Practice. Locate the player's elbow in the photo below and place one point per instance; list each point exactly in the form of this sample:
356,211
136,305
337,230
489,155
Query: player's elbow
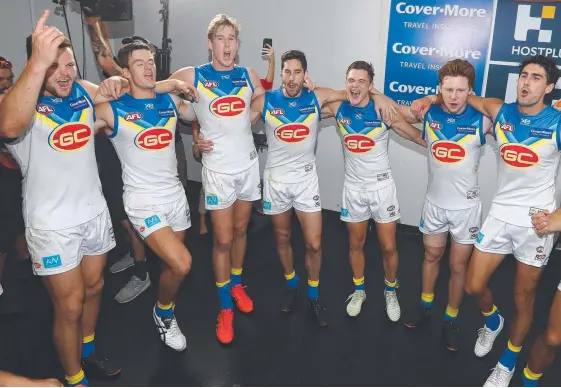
11,128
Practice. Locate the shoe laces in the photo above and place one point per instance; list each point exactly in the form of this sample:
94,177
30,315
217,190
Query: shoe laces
134,283
499,375
171,326
391,299
484,335
223,322
356,297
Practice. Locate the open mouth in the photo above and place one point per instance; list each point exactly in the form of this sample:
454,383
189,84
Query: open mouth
227,55
63,84
355,93
524,93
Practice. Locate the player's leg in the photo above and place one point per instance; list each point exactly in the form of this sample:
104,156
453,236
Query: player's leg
203,228
545,347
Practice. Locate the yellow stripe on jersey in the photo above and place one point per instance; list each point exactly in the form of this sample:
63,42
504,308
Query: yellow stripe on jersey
274,120
47,121
307,120
86,115
242,90
375,131
539,143
209,93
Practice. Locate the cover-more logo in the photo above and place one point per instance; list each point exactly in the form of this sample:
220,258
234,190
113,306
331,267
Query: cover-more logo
526,23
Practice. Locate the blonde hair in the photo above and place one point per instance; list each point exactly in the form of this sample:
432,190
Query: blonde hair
222,20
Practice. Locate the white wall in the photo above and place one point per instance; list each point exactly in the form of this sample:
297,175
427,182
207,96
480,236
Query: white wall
331,33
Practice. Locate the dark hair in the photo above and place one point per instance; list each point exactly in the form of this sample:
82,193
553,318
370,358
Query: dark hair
362,65
553,73
5,64
458,68
294,54
126,51
29,45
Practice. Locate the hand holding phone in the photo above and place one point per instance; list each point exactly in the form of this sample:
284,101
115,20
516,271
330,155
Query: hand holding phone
267,48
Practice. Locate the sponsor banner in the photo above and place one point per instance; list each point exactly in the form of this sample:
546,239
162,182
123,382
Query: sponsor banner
522,29
425,34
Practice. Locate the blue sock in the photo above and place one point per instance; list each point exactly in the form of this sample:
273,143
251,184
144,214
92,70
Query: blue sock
359,284
530,378
78,379
164,310
313,289
88,346
235,276
390,286
224,295
292,280
510,355
492,319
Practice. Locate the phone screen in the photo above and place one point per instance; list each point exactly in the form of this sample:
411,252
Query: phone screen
267,41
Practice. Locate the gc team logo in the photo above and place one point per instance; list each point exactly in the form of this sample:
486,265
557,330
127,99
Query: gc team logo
227,106
448,152
292,133
153,139
70,137
518,156
359,143
526,23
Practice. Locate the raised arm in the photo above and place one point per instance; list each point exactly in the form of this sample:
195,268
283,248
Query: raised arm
489,107
100,44
186,74
18,107
104,118
256,81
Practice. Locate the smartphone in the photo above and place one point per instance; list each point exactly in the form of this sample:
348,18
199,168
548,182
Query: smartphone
267,41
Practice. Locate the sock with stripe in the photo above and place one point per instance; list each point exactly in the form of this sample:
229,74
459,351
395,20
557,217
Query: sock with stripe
451,314
88,346
224,295
530,378
292,280
359,284
492,320
236,276
390,286
510,355
77,379
164,310
313,289
426,300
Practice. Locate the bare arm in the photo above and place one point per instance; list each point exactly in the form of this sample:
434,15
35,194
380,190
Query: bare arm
490,107
256,81
257,105
196,131
407,131
18,107
405,111
110,89
104,118
330,110
101,46
186,74
8,379
185,109
487,125
270,53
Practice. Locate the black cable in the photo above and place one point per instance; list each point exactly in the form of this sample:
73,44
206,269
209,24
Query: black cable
70,38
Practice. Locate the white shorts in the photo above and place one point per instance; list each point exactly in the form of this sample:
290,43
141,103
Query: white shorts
381,205
154,217
462,224
222,190
57,251
303,196
497,236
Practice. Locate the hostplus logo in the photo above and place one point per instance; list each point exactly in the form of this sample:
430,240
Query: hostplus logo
542,22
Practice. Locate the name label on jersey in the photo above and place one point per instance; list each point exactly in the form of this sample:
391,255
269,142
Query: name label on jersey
374,124
166,112
541,133
292,132
227,106
307,109
518,156
359,143
448,152
44,109
70,137
153,139
78,104
240,82
466,129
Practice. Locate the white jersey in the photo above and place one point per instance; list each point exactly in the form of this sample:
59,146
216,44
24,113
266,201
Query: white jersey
454,142
143,137
56,154
291,126
529,156
223,111
365,145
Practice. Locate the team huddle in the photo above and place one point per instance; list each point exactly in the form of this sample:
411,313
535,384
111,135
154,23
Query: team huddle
49,118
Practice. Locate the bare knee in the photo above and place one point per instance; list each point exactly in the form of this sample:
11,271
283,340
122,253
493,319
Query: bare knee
356,244
94,286
240,231
388,249
182,265
313,248
474,287
69,309
282,237
524,299
223,243
458,269
553,338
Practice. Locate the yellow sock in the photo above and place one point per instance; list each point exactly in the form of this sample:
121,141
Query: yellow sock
451,313
426,299
165,306
89,338
531,375
513,348
73,380
290,276
490,312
